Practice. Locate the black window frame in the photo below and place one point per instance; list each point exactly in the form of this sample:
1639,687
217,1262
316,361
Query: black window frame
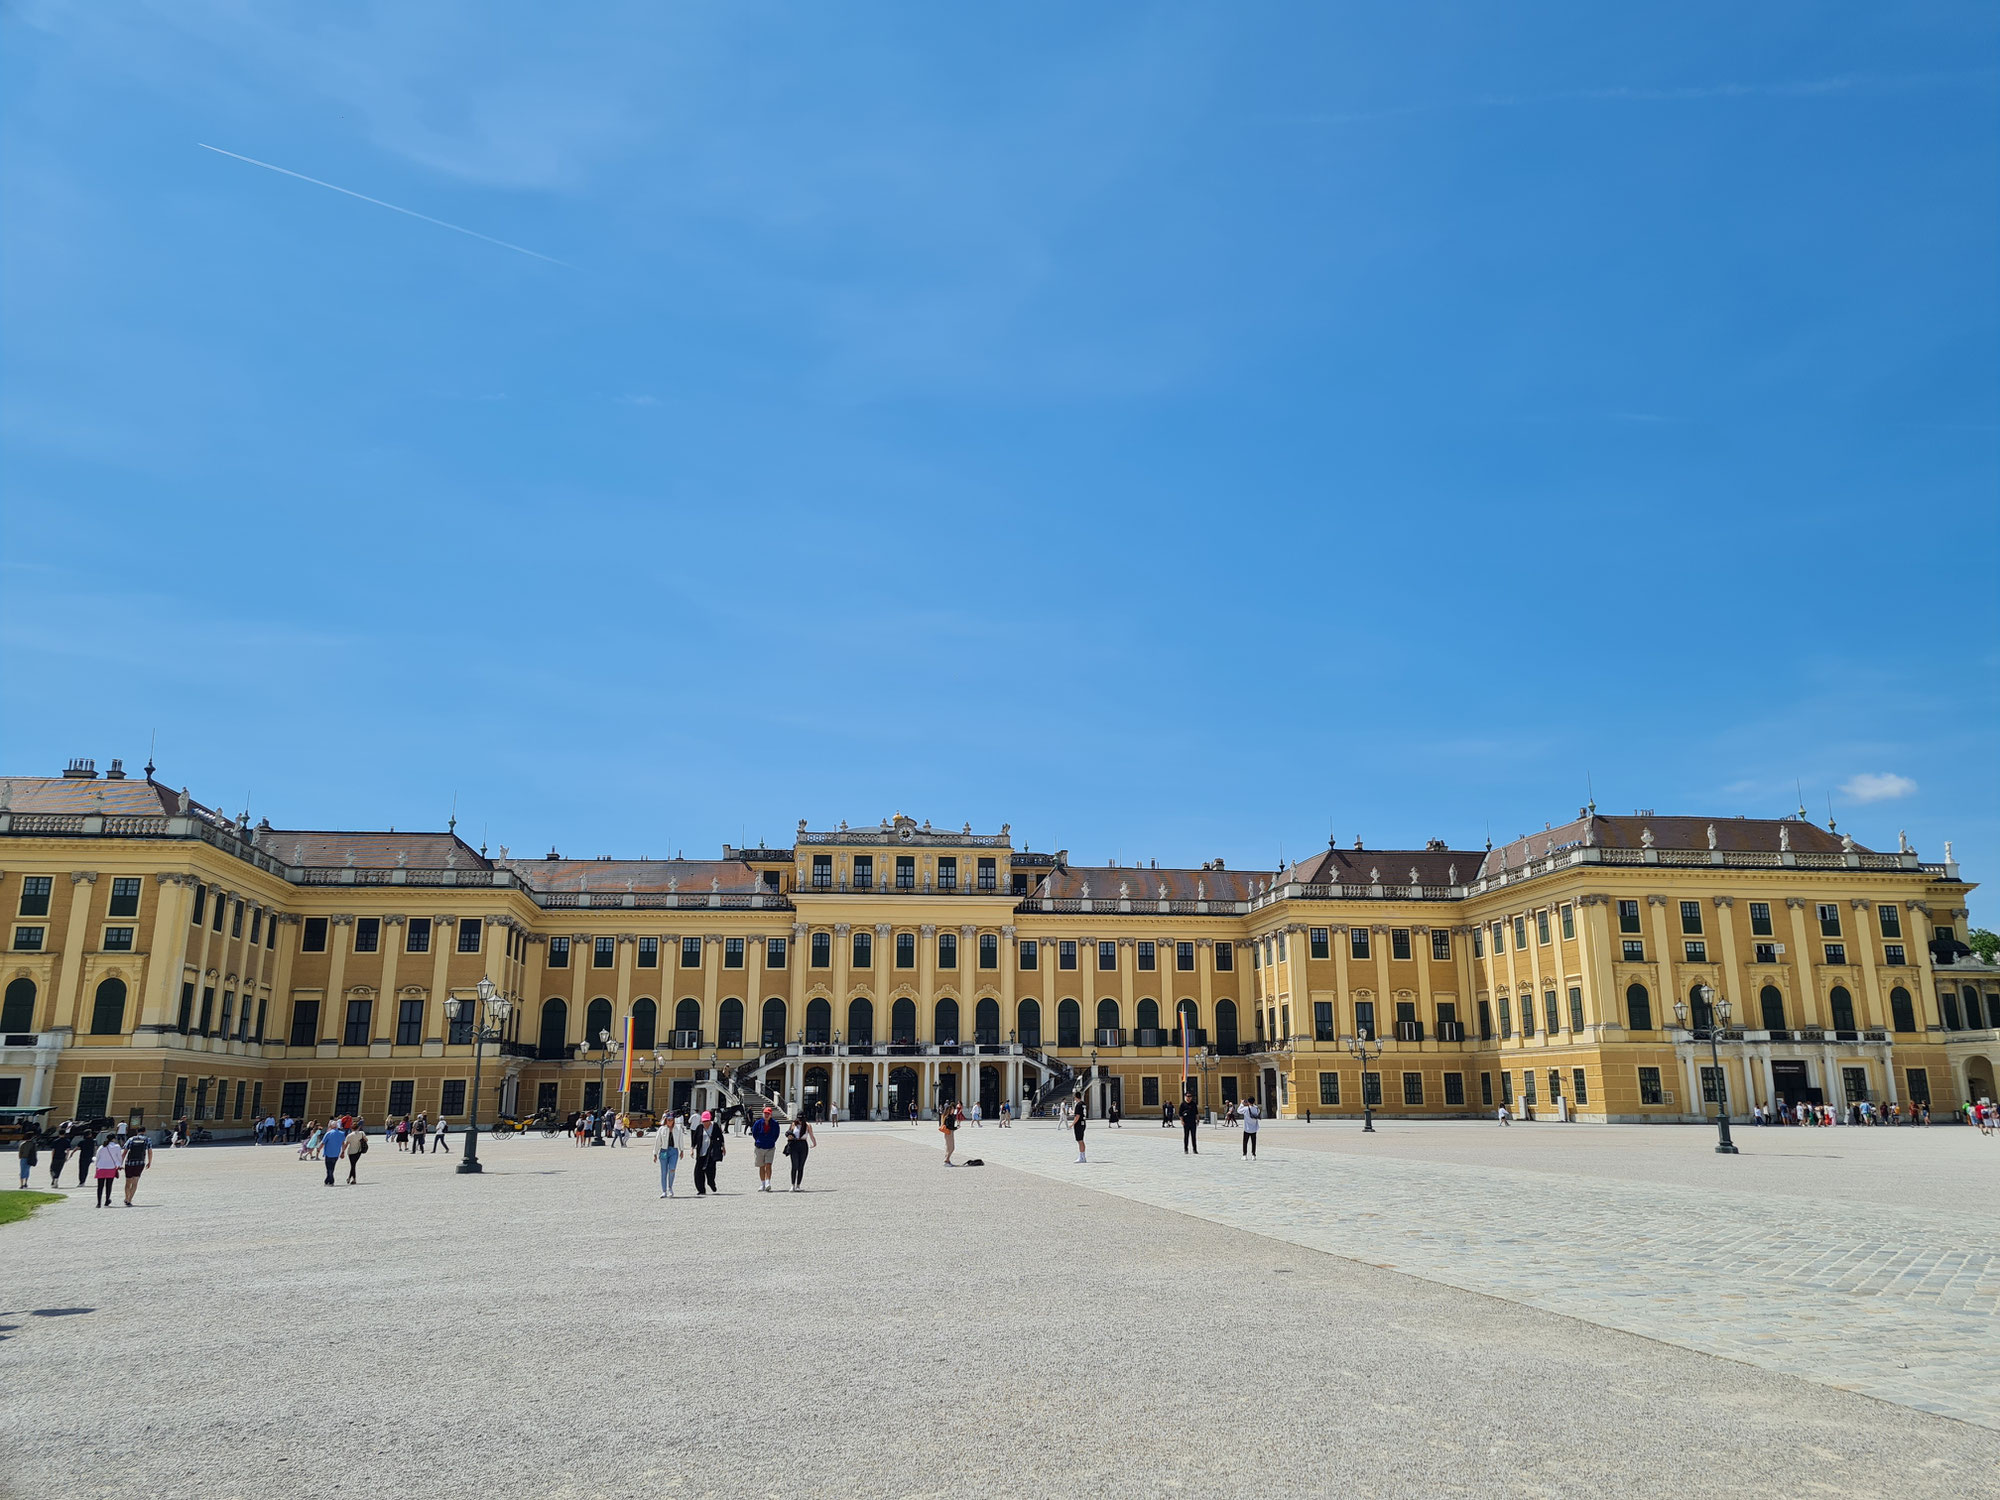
124,898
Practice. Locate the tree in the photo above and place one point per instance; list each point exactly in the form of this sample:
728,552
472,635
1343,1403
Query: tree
1984,943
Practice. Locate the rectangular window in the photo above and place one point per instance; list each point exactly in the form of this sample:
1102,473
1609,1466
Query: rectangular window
1148,955
1399,942
1225,957
29,939
1528,1087
292,1099
649,953
312,935
410,1023
305,1023
236,920
1485,1021
1107,957
864,872
1696,950
1031,953
1149,1093
357,1023
1690,916
347,1097
1711,1084
367,934
458,1028
118,939
604,953
775,953
906,950
1836,953
732,953
93,1097
1364,1018
221,905
1920,1085
1506,1016
1184,956
1764,953
1499,938
906,872
1357,942
1552,1020
989,875
124,897
558,953
989,950
35,891
947,876
1329,1089
1891,918
1575,1008
1371,1089
417,936
1633,951
690,953
1578,1092
822,876
200,909
256,928
947,950
861,951
1892,954
1281,947
1760,919
207,1009
1486,1089
469,929
451,1098
1454,1089
1628,917
1542,927
820,953
1527,1015
1440,945
1479,942
1829,919
1520,933
1323,1021
1020,883
1569,921
1649,1087
402,1096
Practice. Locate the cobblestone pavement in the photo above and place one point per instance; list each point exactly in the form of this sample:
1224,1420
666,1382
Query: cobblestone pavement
1891,1300
555,1329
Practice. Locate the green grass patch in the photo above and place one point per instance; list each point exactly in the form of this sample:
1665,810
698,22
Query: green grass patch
18,1205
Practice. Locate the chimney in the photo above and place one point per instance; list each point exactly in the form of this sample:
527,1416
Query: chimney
117,771
81,769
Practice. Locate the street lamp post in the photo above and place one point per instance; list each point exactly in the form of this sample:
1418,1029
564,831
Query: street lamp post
1718,1017
654,1068
606,1050
1358,1045
486,1028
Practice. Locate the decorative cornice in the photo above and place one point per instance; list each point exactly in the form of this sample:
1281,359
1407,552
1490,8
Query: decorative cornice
83,877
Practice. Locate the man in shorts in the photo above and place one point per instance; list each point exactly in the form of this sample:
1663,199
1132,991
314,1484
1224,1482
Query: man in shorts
138,1156
764,1132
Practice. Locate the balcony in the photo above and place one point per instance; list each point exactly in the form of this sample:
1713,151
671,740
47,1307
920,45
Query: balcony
1409,1031
1110,1036
1451,1031
684,1041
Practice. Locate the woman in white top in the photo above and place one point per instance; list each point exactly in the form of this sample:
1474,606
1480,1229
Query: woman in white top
668,1143
1252,1117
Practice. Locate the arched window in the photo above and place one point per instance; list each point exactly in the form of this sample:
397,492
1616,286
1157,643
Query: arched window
1069,1024
1902,1012
107,1013
861,1022
1771,1001
1843,1008
1148,1018
1107,1014
986,1022
903,1021
1225,1023
645,1025
819,1019
729,1023
1638,1008
596,1023
1029,1019
555,1028
687,1017
946,1031
1187,1015
1701,1015
17,1011
774,1022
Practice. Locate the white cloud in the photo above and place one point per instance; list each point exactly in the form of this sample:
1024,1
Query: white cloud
1877,786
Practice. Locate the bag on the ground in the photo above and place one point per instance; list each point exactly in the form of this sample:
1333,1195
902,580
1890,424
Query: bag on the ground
976,1162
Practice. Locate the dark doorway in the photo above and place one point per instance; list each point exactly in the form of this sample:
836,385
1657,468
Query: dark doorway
947,1086
989,1091
1792,1086
858,1103
683,1095
1267,1093
902,1092
819,1093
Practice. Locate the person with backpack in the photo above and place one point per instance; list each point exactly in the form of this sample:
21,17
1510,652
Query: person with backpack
356,1147
138,1156
332,1145
798,1141
30,1152
438,1139
1079,1118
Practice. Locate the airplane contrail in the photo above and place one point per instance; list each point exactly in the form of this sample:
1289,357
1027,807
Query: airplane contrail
455,228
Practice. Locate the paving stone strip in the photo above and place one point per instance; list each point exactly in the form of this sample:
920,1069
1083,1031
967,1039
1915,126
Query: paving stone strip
1887,1301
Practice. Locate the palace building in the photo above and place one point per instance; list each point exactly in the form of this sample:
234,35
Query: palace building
163,959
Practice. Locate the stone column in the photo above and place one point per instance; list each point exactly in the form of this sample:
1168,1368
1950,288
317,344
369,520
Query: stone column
394,930
1735,984
927,985
287,945
1010,958
1868,946
711,991
333,1012
1802,964
1663,963
795,1001
168,946
77,944
881,978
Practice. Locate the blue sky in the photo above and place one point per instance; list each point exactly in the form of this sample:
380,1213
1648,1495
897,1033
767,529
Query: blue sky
1177,431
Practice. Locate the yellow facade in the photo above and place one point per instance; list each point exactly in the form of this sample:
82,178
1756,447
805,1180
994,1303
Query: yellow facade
163,959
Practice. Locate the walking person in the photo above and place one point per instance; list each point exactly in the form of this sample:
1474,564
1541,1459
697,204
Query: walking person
86,1152
332,1144
1503,1116
948,1128
138,1156
58,1155
439,1141
108,1163
764,1136
798,1141
1190,1117
29,1151
709,1148
420,1130
1252,1118
1079,1118
356,1146
669,1141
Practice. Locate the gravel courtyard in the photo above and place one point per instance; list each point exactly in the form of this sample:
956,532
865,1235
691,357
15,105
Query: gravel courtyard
554,1329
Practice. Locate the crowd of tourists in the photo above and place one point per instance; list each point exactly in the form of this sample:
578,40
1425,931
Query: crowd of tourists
1862,1112
117,1152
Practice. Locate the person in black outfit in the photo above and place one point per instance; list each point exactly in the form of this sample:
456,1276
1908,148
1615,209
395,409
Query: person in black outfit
708,1149
1188,1117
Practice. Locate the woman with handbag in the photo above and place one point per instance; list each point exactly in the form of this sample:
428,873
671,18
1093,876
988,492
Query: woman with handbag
798,1141
948,1126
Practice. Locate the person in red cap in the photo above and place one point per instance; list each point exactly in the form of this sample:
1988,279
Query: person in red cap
709,1149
